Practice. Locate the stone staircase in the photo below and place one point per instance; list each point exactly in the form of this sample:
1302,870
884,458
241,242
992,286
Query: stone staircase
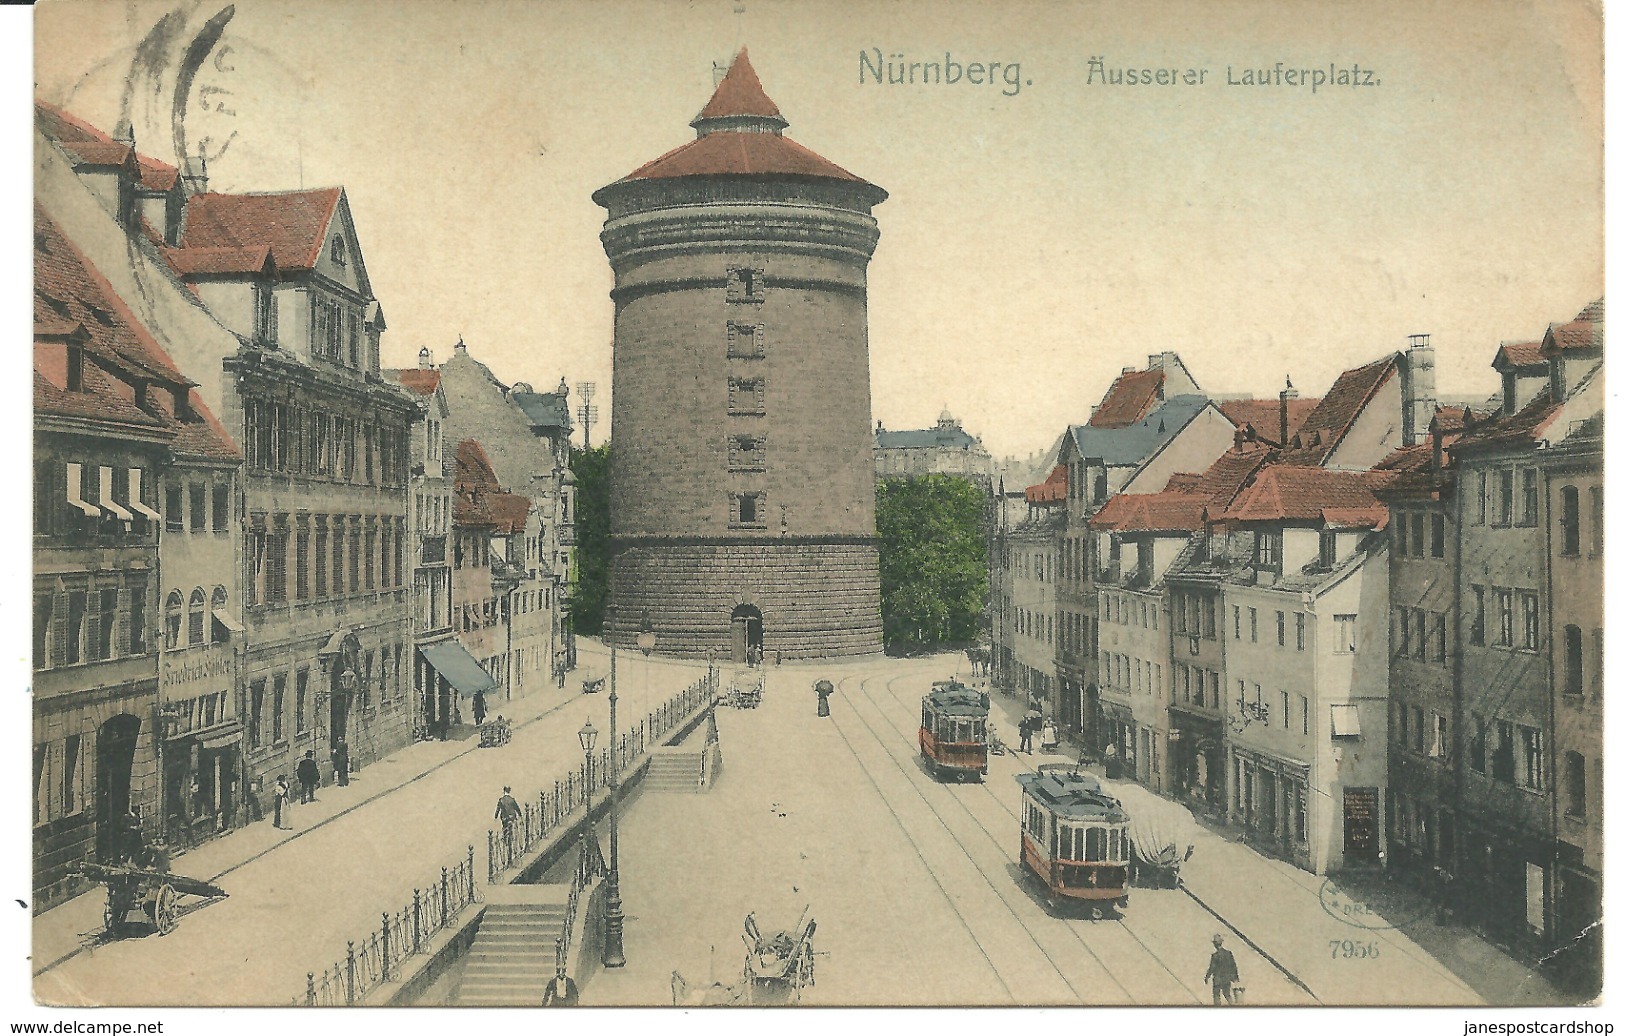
678,770
513,956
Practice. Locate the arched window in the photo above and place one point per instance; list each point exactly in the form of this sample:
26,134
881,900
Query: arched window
1570,521
338,250
172,620
194,617
217,603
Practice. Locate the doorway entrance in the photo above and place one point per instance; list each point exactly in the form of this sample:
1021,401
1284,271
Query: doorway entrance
746,629
115,758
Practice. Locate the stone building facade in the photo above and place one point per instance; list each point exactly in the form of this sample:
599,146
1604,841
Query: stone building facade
743,490
946,449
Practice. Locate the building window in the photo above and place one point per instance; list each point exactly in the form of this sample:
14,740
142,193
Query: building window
1475,633
1569,520
1419,533
194,618
1404,618
1531,772
1402,713
1440,746
1503,610
1503,503
1267,548
746,284
1303,709
746,396
749,509
1345,644
1596,520
1501,762
747,453
279,691
1235,612
1482,501
1438,637
265,316
1574,785
1252,623
301,684
256,711
1436,538
746,341
321,556
1280,629
336,250
1530,606
1401,524
1419,622
1302,627
173,605
218,630
1478,746
44,605
1531,497
174,509
107,623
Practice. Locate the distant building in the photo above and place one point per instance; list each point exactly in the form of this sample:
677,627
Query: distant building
946,449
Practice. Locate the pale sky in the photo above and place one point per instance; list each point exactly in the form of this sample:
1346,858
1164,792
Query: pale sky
1033,245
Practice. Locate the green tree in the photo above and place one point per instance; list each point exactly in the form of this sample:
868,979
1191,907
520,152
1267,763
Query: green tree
591,592
933,559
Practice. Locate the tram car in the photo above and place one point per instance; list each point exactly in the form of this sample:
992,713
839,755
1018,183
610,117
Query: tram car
1075,839
954,730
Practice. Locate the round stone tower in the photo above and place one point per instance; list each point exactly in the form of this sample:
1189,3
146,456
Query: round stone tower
742,495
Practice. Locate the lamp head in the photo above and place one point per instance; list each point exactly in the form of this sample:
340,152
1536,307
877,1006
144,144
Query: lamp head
588,736
646,636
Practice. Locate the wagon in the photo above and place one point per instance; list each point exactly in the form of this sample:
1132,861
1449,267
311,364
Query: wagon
783,959
155,891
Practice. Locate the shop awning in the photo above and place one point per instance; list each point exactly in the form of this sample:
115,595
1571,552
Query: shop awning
1345,721
227,620
221,736
452,661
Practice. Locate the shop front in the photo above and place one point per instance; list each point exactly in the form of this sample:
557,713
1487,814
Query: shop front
200,744
1271,804
1196,760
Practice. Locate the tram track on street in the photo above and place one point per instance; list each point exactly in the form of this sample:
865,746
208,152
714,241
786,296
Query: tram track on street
994,837
999,884
1015,818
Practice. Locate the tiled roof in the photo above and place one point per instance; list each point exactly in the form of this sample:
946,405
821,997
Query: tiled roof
1265,414
292,224
1518,356
740,93
1592,313
1051,489
1325,427
1129,399
90,146
478,499
1526,426
741,154
1151,512
1577,334
417,379
1450,418
71,297
1231,471
916,438
1133,443
1183,482
1295,493
190,262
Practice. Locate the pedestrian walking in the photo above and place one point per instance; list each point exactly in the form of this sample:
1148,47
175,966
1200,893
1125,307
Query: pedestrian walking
1221,971
508,813
281,807
341,763
1051,738
1027,734
823,689
309,775
479,708
561,992
132,845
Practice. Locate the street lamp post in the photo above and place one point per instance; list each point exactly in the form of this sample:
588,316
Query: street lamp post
588,736
614,918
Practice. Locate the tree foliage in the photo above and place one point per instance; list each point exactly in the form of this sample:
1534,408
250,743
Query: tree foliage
933,559
591,593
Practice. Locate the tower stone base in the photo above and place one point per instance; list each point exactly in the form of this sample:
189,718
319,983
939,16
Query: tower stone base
818,597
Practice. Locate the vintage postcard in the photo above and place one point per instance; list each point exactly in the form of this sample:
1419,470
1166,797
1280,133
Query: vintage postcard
751,503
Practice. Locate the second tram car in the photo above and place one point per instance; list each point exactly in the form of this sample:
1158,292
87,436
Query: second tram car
1074,838
954,730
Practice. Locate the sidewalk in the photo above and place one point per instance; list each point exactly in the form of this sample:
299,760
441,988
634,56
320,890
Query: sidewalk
297,896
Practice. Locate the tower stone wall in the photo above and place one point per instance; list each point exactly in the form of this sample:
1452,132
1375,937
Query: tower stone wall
743,468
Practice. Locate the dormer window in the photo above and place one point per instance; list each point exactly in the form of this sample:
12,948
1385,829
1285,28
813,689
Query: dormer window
337,251
1328,548
1267,548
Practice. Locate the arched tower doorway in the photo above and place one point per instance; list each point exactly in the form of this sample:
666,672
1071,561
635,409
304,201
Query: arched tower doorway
115,758
343,681
746,629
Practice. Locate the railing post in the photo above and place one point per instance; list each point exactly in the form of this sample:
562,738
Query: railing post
470,883
490,857
417,922
444,900
349,974
386,947
310,989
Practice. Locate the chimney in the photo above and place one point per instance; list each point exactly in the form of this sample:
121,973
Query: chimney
460,346
425,359
1288,393
1417,382
195,175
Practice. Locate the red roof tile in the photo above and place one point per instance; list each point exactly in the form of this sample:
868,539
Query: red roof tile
1577,334
1183,482
1295,493
1592,313
1450,418
417,379
191,262
91,146
1325,427
1129,399
1050,490
478,498
1518,356
1526,426
740,93
741,154
292,224
1265,415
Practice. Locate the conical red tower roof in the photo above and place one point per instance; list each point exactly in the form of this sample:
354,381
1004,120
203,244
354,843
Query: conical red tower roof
740,93
740,131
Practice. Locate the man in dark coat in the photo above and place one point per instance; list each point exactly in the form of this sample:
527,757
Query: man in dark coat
1221,971
341,763
479,708
309,775
508,812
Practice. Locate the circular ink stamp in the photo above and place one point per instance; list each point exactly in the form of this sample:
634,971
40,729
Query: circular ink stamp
1371,906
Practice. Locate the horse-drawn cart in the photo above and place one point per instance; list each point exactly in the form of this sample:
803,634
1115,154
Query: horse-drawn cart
156,891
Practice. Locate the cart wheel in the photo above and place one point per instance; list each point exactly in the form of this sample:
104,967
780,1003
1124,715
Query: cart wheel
163,911
1096,913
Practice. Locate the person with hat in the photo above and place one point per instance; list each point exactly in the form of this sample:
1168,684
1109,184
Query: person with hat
309,775
508,812
1221,971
